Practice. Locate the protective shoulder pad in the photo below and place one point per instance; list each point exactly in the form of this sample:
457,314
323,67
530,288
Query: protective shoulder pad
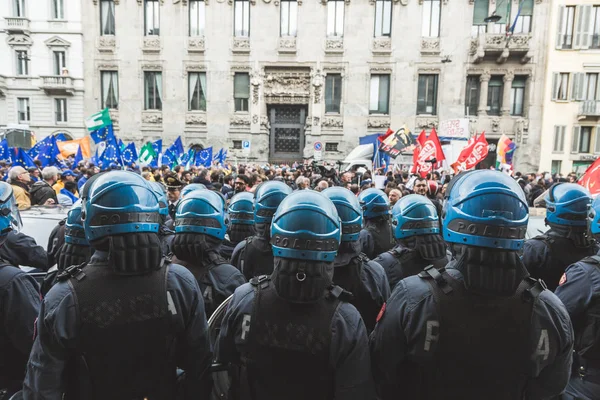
430,272
592,260
337,292
260,281
535,288
74,271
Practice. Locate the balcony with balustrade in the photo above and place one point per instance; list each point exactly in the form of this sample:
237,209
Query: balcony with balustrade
589,109
501,47
17,25
57,84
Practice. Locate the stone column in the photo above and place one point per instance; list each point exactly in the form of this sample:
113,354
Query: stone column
508,80
484,79
527,101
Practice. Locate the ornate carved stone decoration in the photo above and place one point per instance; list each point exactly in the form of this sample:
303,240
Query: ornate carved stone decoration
334,45
56,41
255,119
152,118
330,122
109,66
286,86
114,116
195,119
196,44
241,45
256,79
426,123
509,76
19,40
485,76
382,45
152,67
430,45
240,68
106,44
380,69
316,121
473,47
287,45
318,79
238,120
495,124
375,122
151,44
264,122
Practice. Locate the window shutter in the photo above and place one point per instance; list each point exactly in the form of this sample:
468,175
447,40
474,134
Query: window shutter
575,139
559,36
585,14
563,131
556,139
480,12
597,141
577,87
555,82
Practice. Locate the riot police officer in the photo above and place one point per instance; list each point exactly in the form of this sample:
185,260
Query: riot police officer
119,327
254,255
481,328
416,229
241,222
291,335
199,230
353,271
568,240
76,249
579,290
19,305
376,236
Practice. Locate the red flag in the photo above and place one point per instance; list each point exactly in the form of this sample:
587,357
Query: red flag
381,138
591,179
478,153
431,149
422,138
420,141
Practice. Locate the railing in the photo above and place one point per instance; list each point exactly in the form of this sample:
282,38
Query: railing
590,108
17,23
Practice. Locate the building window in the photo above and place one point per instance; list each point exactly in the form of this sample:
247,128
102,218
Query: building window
566,24
152,18
431,18
333,93
19,8
480,12
383,18
22,62
517,95
60,62
331,146
379,94
237,144
472,95
560,86
503,9
197,91
197,17
153,90
495,90
522,24
335,18
107,17
585,137
289,17
556,166
23,109
597,141
241,91
559,139
591,86
61,110
110,89
58,9
427,94
596,28
242,18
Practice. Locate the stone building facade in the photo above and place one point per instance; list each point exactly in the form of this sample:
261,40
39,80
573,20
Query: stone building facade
41,66
571,140
285,74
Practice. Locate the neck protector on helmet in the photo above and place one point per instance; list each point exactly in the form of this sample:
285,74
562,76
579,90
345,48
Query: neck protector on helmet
346,252
132,253
73,254
263,230
430,247
194,248
489,271
239,232
579,235
300,281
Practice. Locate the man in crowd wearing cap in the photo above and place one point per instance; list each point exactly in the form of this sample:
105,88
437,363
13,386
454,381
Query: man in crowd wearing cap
65,176
19,179
174,185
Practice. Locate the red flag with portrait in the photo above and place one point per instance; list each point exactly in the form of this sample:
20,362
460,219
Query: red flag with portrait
591,179
431,148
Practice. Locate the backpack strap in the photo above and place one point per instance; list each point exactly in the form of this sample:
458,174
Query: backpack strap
262,281
430,272
337,292
74,271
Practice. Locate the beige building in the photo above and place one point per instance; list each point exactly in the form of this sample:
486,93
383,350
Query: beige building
571,140
286,74
41,66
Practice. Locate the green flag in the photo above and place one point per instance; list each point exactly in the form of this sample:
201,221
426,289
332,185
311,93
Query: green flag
147,154
98,120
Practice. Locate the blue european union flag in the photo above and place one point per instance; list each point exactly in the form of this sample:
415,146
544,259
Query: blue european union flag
4,152
221,156
102,134
78,157
111,153
129,154
177,147
169,158
49,153
204,157
157,147
21,158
